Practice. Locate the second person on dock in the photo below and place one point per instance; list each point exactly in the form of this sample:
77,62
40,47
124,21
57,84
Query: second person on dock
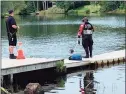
86,29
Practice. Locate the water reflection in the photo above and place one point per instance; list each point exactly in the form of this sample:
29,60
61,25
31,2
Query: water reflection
89,83
107,80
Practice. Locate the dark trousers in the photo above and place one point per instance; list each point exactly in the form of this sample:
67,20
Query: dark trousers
87,43
12,39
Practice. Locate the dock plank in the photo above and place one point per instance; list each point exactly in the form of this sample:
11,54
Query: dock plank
7,63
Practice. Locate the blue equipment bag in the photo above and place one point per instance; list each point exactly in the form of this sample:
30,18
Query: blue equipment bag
75,57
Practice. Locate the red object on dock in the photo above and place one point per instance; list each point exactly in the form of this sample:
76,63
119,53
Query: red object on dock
82,91
20,52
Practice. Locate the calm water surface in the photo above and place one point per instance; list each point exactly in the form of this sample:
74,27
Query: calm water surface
52,37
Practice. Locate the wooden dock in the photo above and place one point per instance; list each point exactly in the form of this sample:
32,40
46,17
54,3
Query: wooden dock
10,67
106,58
23,65
30,64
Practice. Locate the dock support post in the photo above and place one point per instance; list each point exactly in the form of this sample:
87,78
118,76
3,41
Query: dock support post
123,60
96,65
11,82
113,62
107,63
2,81
118,61
102,64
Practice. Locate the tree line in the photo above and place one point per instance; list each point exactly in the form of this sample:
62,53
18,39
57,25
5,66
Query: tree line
27,7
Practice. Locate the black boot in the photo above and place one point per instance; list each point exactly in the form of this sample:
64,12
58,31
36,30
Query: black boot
87,53
90,50
12,56
86,56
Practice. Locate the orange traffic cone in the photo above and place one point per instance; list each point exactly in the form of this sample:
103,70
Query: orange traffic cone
20,52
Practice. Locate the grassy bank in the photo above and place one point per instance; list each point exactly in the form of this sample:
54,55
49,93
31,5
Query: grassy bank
53,10
85,10
93,9
118,11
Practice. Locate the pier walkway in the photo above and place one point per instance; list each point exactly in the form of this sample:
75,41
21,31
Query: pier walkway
30,64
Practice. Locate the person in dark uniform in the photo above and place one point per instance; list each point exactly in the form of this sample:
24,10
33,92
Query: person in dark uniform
11,33
86,29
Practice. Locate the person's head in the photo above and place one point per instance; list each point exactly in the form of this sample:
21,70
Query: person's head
11,12
85,19
71,51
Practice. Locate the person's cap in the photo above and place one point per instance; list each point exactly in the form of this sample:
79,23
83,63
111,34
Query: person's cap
10,11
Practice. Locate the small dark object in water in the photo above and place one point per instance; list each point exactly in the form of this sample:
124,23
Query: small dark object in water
102,64
96,64
107,63
33,88
118,61
113,62
124,60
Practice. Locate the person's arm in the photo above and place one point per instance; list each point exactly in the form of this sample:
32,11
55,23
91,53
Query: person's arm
13,23
15,26
80,30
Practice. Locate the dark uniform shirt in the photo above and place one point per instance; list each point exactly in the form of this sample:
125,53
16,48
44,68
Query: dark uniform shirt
11,32
11,21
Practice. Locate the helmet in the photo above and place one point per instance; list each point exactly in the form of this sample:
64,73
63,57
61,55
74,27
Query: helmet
85,19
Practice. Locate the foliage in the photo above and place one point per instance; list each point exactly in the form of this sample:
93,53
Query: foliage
27,7
5,6
67,5
30,8
109,5
60,66
60,82
17,6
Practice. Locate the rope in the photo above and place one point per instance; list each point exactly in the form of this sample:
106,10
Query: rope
74,47
4,90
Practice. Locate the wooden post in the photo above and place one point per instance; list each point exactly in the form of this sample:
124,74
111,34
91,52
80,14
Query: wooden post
118,61
2,81
123,60
102,64
107,63
113,62
96,65
11,82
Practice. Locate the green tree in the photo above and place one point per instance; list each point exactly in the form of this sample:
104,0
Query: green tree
67,5
30,7
5,6
109,5
17,6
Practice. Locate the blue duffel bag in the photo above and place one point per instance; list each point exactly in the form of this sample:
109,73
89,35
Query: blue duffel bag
75,57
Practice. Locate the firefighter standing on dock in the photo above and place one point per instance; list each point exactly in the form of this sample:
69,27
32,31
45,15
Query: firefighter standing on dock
86,29
11,33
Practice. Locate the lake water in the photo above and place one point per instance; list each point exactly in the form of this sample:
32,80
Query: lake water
52,36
